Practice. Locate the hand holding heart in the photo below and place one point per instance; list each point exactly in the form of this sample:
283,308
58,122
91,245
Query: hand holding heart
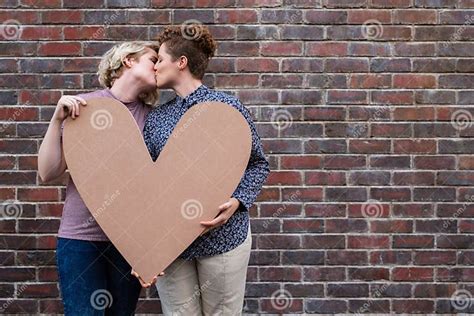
143,283
226,210
68,105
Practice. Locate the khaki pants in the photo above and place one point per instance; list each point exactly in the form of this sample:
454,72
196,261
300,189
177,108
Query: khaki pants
212,285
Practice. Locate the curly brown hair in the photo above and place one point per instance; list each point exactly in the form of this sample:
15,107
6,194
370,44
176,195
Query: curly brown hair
193,41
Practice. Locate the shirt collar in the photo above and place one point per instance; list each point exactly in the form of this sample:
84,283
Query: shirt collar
130,105
190,97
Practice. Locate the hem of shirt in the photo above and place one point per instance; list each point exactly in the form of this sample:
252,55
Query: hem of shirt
217,253
87,238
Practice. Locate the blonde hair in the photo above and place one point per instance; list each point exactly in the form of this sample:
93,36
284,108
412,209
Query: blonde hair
111,65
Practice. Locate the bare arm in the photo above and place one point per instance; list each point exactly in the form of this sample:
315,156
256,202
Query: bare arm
51,162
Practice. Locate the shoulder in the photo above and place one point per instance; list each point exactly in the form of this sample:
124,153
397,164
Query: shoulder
216,95
93,94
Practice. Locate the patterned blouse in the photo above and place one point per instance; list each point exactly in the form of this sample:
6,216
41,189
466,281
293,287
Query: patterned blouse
158,128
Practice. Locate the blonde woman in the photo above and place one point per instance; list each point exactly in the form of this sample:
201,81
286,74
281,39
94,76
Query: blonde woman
94,278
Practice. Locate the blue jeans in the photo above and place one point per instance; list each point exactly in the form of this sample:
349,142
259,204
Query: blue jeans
95,279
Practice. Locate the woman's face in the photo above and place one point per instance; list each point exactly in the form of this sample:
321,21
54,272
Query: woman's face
166,70
142,68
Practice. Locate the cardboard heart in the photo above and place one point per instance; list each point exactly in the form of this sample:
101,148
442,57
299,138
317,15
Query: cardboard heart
151,210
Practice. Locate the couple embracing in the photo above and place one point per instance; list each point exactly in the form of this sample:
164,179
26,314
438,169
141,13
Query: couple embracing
215,264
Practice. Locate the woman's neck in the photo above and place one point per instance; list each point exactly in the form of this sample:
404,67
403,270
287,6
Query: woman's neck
186,87
125,91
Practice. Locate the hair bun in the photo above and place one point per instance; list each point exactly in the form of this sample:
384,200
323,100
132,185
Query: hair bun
200,34
192,39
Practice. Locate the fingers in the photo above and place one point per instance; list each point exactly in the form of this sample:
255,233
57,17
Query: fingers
214,222
68,105
143,283
225,206
81,100
78,101
76,107
72,104
219,220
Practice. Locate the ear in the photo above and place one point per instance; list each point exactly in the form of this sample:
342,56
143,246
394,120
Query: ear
182,63
128,61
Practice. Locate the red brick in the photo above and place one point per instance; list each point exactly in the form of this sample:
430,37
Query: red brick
237,16
22,16
281,49
423,146
256,65
59,49
391,226
302,225
412,274
413,306
435,257
369,274
41,3
324,178
19,114
269,306
393,97
368,242
414,81
284,178
84,33
413,241
300,162
422,16
361,16
369,81
41,33
347,97
237,49
368,209
236,81
43,194
326,16
391,3
326,49
61,17
390,257
326,210
303,194
347,257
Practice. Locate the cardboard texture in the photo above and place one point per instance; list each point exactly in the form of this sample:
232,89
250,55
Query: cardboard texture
151,210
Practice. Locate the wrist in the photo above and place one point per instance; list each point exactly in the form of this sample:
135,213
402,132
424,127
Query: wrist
237,201
56,123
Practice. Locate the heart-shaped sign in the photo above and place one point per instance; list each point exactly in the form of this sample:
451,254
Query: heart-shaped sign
151,210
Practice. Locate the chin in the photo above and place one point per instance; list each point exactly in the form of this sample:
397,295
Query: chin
162,85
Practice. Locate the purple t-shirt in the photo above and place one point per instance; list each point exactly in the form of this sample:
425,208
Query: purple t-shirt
77,222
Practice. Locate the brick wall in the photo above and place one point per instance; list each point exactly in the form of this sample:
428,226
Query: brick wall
365,111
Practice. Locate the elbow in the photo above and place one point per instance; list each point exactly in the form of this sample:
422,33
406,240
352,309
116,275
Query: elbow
44,172
43,177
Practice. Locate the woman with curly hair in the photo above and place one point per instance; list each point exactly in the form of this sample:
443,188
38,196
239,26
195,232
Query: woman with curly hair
93,276
209,276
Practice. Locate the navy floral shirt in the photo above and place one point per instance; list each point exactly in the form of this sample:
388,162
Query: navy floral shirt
158,128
